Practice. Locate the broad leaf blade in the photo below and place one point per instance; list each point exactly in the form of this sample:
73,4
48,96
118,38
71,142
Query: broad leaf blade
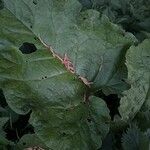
40,83
94,46
82,127
138,64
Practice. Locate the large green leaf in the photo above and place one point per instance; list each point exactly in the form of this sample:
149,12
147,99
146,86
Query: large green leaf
80,128
95,47
61,115
138,63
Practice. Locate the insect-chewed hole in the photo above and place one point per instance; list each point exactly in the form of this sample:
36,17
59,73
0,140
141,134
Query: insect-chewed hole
64,134
35,2
35,38
123,80
27,48
89,120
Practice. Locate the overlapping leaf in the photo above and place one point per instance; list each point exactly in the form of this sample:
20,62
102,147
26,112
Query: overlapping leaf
30,141
138,63
95,47
3,140
39,82
62,115
133,15
3,120
134,139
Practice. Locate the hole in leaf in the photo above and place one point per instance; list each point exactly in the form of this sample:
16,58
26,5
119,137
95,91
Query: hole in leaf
84,103
27,48
35,38
64,134
123,80
31,26
89,120
35,2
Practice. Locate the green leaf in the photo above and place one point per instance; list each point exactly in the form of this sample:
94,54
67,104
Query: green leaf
133,15
95,47
30,140
148,133
3,140
138,64
3,121
8,112
143,116
81,128
62,117
2,99
117,84
86,3
108,142
1,4
6,115
146,105
134,139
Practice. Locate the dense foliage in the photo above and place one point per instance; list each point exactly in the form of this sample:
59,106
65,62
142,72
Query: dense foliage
75,74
